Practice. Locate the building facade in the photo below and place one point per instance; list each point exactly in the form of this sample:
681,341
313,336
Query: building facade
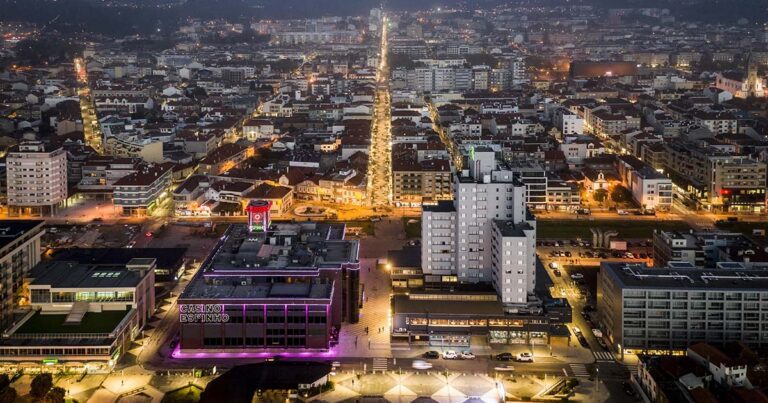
663,310
37,179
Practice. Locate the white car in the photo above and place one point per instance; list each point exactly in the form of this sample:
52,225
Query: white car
553,265
525,357
576,330
577,276
467,355
450,355
419,364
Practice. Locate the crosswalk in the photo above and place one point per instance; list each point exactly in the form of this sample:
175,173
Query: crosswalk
579,370
379,365
604,356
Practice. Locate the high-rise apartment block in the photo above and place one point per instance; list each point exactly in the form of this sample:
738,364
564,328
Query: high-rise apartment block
486,235
37,179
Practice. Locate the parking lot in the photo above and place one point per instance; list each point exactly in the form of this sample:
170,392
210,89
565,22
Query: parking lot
93,235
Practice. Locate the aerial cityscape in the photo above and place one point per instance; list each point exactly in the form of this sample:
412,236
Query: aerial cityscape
335,201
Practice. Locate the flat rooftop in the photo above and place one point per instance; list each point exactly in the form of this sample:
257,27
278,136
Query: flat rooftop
93,322
301,246
199,288
733,278
10,230
61,274
510,228
403,304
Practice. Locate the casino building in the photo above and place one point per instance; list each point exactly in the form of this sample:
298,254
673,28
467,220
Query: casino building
272,287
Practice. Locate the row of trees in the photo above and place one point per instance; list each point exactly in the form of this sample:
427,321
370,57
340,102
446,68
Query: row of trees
41,390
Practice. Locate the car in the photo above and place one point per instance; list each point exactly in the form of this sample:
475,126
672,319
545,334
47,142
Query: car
419,364
524,357
582,340
504,357
431,355
375,219
130,244
553,266
567,254
450,355
577,276
467,355
149,234
556,273
602,255
622,212
576,330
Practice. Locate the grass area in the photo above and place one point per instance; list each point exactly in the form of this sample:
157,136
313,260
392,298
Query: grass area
93,322
743,227
628,229
187,394
412,227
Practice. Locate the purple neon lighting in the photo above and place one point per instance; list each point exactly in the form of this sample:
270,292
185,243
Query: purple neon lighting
332,352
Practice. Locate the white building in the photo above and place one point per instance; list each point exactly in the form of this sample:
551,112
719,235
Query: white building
568,122
486,235
37,179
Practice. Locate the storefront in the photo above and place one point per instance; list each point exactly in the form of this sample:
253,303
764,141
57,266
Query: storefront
444,323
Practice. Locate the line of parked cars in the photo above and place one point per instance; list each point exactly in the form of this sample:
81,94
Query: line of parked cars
520,357
450,355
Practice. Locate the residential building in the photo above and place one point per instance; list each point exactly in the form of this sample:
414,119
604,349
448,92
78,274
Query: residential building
140,193
36,179
19,252
486,235
662,310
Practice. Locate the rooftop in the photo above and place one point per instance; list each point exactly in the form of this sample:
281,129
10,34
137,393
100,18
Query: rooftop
63,274
92,322
11,230
639,276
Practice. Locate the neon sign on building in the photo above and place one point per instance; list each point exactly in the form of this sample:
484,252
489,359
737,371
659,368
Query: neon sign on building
258,215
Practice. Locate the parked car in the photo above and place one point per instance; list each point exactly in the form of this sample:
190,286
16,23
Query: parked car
467,355
556,273
577,276
524,357
622,212
553,265
431,355
504,357
450,355
582,340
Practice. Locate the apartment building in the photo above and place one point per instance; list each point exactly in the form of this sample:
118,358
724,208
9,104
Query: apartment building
37,179
650,189
716,180
661,310
568,122
141,192
485,236
415,182
19,253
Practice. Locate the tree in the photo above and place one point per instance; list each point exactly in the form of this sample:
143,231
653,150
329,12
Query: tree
5,381
620,194
8,395
600,195
55,395
40,386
